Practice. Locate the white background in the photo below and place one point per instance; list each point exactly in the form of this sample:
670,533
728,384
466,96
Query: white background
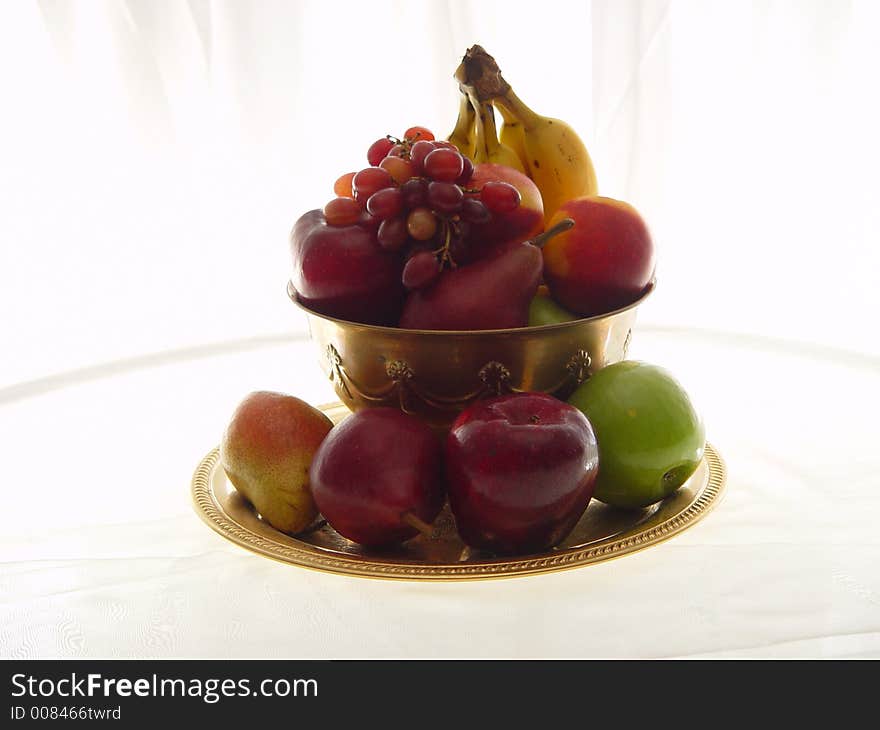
153,156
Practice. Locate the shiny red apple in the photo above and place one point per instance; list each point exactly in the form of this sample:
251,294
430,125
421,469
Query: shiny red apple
521,470
341,271
376,471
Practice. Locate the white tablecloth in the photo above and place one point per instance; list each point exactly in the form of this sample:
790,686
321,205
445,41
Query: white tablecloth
103,556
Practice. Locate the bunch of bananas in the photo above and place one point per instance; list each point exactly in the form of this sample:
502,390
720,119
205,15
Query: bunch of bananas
548,150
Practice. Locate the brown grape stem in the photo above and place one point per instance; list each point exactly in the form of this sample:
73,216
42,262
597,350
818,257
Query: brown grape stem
418,524
566,224
443,251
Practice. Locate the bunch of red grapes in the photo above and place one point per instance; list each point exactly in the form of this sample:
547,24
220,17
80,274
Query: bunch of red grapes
416,189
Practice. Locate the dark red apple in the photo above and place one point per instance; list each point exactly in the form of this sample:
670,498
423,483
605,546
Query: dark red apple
376,470
301,228
341,271
520,472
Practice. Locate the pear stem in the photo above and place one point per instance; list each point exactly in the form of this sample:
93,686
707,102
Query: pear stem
314,527
565,224
419,524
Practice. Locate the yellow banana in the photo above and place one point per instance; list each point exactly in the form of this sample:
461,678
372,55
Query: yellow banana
552,154
512,135
556,158
487,147
463,136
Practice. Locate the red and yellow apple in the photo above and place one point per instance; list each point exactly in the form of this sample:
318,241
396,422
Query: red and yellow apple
604,262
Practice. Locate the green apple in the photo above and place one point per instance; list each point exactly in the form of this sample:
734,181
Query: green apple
650,437
543,310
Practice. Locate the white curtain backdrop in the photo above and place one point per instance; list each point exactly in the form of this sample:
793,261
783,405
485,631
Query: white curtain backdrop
154,153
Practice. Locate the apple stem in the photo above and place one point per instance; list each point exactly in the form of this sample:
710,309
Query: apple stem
419,524
564,225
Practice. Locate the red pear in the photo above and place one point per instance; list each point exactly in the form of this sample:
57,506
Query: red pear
491,293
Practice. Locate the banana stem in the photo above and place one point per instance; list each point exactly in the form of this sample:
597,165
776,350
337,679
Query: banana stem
479,70
480,74
565,224
514,109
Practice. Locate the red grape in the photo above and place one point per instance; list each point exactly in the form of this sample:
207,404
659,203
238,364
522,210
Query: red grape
401,170
500,197
421,224
392,234
415,246
342,186
445,197
417,154
473,211
397,150
421,269
415,192
416,133
447,145
342,211
368,181
467,173
385,203
378,150
444,165
369,222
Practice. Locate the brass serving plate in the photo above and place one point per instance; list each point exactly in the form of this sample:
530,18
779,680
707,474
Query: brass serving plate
603,532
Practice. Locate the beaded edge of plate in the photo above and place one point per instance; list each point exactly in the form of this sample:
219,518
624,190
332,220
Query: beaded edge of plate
209,509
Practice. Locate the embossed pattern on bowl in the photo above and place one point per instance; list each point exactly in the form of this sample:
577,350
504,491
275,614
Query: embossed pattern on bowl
436,374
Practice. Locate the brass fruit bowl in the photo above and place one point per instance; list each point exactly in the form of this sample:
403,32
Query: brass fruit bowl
436,374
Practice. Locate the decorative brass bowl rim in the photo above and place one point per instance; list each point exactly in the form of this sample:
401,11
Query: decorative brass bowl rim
291,292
